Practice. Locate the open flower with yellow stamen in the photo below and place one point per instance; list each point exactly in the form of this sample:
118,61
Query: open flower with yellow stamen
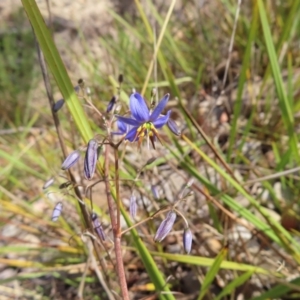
143,122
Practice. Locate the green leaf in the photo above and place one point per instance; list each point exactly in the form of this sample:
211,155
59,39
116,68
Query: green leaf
284,103
229,288
211,274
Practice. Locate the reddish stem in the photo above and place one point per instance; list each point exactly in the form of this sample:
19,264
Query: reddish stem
115,225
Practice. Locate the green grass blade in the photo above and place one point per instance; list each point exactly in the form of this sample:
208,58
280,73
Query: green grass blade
211,274
208,262
229,288
287,114
278,291
242,79
57,68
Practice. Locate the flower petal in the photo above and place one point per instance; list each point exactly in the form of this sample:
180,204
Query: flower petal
160,122
131,135
138,107
129,121
159,108
173,127
121,126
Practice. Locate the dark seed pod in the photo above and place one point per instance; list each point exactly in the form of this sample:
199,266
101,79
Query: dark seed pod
111,104
56,212
64,185
48,183
150,161
173,127
71,160
81,82
58,105
120,78
133,207
187,240
90,160
165,226
97,226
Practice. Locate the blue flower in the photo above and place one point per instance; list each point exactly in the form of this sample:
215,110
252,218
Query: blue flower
143,122
122,128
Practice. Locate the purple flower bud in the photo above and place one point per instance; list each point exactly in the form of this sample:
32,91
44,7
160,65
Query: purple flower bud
155,192
56,211
90,160
132,206
98,227
58,105
173,127
48,183
150,161
165,226
187,240
77,88
71,160
111,104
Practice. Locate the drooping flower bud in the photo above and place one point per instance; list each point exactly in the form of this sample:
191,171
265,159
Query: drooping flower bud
165,226
58,105
132,207
56,211
90,160
48,183
187,240
71,160
98,227
111,104
173,127
155,192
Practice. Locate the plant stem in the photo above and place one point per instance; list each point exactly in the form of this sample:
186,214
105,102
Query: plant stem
115,224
